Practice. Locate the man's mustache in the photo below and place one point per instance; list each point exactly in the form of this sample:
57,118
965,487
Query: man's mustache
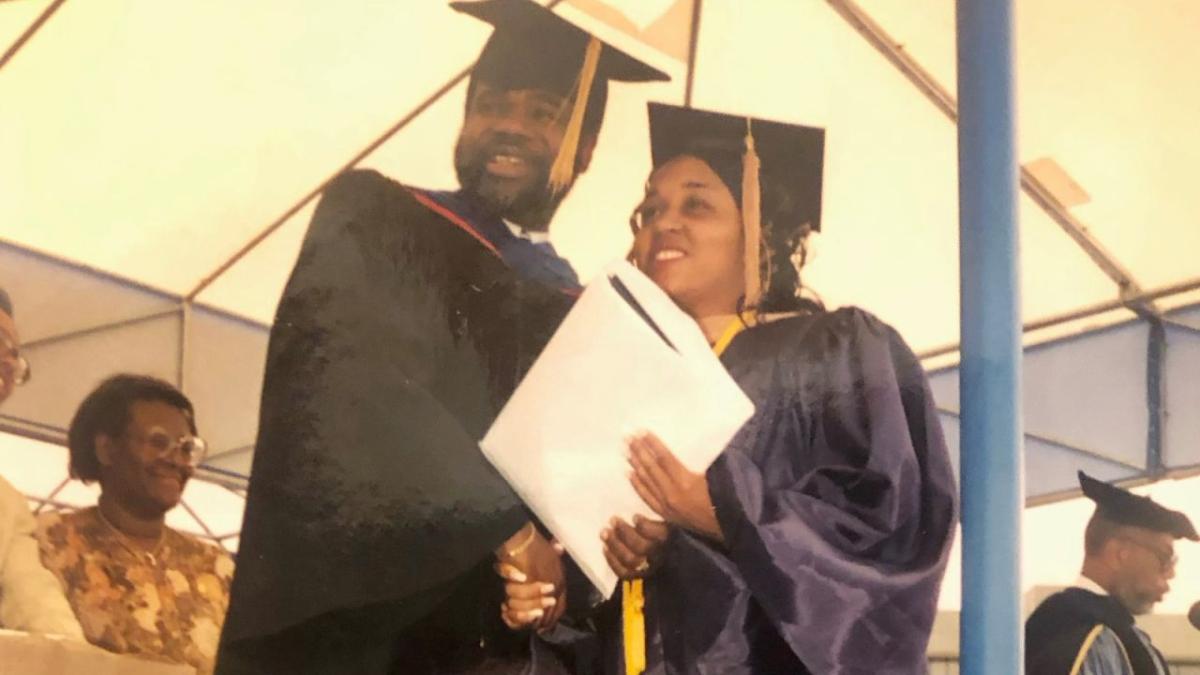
508,144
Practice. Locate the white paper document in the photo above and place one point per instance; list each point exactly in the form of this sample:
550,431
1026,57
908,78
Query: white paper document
625,359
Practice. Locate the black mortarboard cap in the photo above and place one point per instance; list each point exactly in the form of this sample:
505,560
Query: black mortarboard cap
534,47
5,303
1125,508
791,156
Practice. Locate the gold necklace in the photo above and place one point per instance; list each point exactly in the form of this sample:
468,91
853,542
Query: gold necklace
128,544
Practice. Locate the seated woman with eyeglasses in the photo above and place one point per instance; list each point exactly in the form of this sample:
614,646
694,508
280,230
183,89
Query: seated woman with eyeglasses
136,585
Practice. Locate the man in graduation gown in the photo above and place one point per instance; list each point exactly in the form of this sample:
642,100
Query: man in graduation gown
373,521
1129,561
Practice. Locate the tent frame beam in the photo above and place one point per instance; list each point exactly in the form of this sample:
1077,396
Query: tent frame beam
181,353
239,450
693,42
1176,473
45,433
877,37
1156,419
1135,296
101,328
1180,326
350,164
1063,445
32,430
316,191
30,31
944,101
1129,303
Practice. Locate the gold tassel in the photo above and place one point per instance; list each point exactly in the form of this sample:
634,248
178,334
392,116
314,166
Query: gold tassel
633,591
633,638
751,220
563,170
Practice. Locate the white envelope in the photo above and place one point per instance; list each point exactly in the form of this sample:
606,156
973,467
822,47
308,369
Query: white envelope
606,373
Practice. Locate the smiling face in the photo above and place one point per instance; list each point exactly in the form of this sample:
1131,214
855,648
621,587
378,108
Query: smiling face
689,238
508,142
131,469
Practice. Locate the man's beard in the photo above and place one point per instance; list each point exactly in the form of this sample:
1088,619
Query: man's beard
1138,603
527,201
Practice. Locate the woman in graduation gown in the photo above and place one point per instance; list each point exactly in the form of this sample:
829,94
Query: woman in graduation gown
817,541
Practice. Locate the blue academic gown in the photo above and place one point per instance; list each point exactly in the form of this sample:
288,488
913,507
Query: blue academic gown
1094,630
534,261
1106,655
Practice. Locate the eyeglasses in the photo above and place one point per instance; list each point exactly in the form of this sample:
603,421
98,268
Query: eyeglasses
9,354
1166,559
192,448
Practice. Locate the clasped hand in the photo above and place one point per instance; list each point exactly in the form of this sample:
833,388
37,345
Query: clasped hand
535,582
534,589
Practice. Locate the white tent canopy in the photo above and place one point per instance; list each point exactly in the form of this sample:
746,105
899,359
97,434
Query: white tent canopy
159,162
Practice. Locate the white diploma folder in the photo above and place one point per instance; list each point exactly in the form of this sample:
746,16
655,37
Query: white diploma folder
625,359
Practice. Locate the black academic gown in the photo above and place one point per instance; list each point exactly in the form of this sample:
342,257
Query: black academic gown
372,515
838,504
1056,632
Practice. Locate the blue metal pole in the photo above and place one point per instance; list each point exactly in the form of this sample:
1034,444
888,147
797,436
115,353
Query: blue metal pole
992,495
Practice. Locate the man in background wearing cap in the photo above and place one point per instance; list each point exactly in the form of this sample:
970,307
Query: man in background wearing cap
31,599
373,520
1129,559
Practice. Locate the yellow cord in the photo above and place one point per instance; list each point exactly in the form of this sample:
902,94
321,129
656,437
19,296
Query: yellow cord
633,604
633,591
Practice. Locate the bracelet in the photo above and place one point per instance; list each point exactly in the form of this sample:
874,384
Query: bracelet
523,545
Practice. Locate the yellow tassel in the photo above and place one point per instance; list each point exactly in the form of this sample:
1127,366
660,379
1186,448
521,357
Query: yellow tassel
751,219
633,591
633,604
562,172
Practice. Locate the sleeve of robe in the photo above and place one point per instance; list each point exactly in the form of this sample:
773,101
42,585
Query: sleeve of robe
842,522
31,598
368,486
1105,657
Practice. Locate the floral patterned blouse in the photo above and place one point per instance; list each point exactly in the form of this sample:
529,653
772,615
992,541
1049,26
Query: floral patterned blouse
168,604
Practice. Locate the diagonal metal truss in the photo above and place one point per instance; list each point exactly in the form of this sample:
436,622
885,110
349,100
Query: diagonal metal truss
693,43
30,31
349,164
943,100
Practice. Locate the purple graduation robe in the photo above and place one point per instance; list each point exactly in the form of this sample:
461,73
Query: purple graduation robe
838,505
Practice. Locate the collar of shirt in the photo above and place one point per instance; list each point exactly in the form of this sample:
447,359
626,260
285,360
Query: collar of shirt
532,236
1088,585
